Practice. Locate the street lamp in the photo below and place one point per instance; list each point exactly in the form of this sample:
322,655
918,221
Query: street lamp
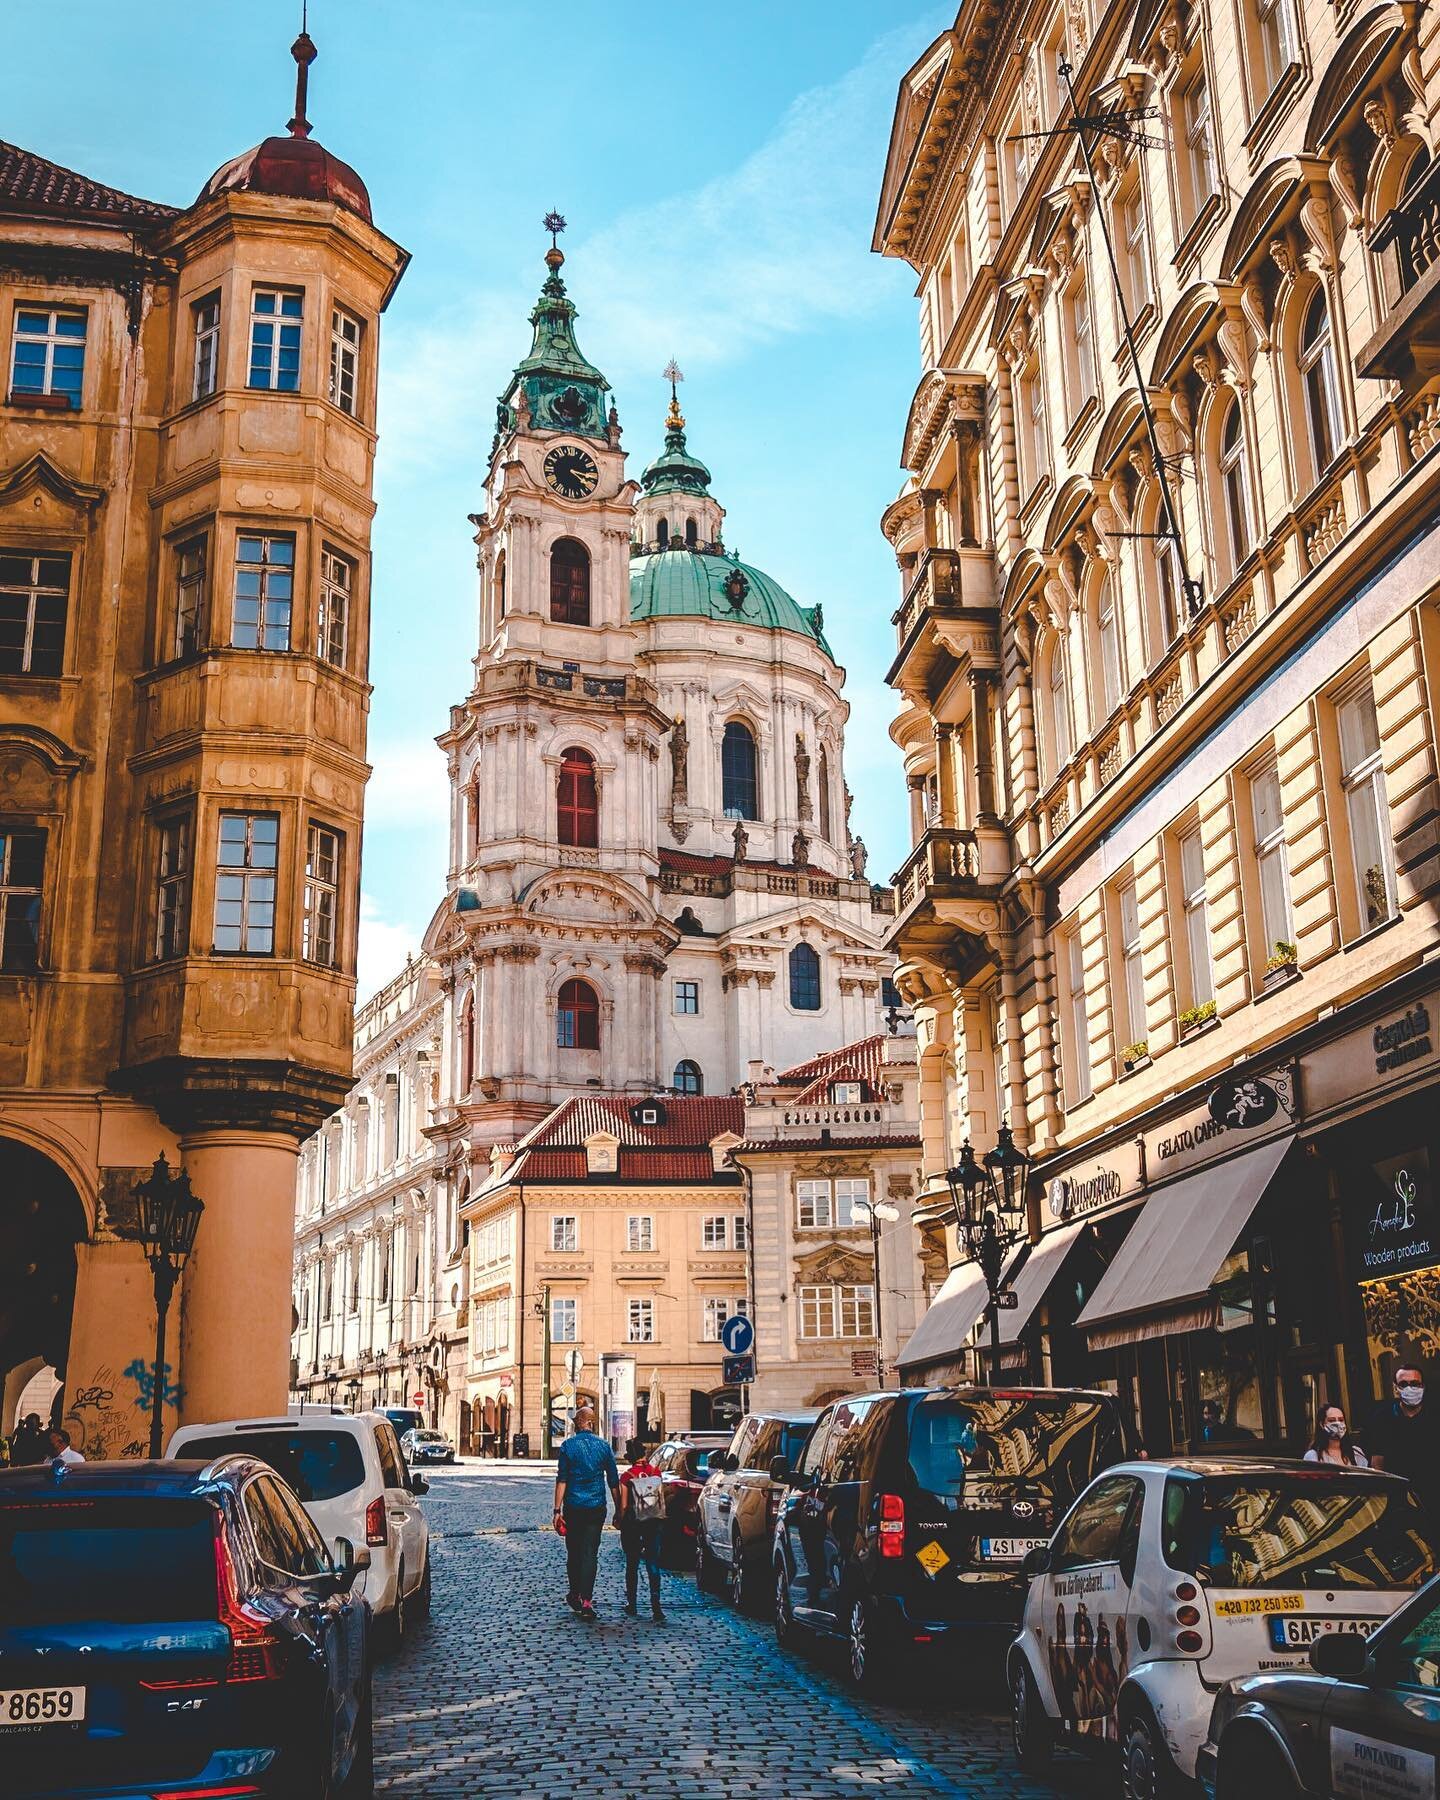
989,1202
382,1393
169,1217
332,1381
352,1388
878,1210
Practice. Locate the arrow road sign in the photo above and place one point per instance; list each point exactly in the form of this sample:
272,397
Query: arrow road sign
736,1370
737,1334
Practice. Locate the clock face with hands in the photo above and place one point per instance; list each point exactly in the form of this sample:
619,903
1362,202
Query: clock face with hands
571,471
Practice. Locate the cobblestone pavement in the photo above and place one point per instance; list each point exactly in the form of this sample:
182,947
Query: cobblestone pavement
505,1694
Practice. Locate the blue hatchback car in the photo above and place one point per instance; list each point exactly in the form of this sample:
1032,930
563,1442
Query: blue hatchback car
174,1630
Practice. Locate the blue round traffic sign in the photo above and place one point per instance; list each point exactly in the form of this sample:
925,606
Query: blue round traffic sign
737,1334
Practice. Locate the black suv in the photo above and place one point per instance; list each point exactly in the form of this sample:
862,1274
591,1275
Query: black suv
910,1513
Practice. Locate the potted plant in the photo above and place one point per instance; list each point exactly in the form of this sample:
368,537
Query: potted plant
1194,1017
1282,964
1135,1056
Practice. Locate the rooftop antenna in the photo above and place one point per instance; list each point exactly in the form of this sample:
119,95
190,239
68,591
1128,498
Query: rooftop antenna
1120,122
304,52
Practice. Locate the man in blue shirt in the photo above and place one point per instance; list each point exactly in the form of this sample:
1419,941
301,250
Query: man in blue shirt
585,1469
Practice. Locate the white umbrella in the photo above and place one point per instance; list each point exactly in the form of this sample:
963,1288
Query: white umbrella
655,1405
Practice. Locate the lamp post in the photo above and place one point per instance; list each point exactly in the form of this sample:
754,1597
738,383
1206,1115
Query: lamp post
877,1210
169,1217
382,1393
352,1388
332,1381
989,1202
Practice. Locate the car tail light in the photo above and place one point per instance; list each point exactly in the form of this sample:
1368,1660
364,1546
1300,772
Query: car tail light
202,1681
892,1525
1187,1590
377,1532
1188,1615
1189,1641
254,1650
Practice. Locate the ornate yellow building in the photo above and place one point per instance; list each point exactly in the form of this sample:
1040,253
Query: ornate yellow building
1167,650
186,450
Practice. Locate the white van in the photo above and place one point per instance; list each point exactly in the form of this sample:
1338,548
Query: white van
1166,1579
350,1475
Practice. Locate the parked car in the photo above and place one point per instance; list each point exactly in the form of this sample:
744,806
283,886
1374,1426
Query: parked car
351,1477
905,1524
1169,1578
423,1445
740,1502
177,1627
1366,1711
683,1465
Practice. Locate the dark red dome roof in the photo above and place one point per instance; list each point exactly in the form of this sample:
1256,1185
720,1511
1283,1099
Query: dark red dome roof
296,167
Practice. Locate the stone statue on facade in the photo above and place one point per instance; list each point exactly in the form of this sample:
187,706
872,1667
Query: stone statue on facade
679,762
800,850
859,856
742,840
802,775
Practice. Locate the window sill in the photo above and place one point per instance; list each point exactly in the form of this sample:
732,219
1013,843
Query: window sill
1035,499
1199,1029
60,403
1089,412
1133,1068
1272,980
1372,931
1197,232
1272,112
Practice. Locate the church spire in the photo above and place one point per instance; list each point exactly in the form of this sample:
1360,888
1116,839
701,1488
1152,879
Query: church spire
304,52
675,470
555,388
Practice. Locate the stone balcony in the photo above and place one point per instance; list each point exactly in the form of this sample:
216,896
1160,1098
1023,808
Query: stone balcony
951,882
1408,243
948,614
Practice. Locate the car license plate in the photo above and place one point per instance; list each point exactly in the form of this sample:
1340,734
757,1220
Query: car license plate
30,1709
1010,1549
1288,1633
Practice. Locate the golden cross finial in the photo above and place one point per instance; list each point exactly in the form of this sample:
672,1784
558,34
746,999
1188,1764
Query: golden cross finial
674,419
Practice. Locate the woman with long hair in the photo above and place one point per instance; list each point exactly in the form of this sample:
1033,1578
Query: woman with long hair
1333,1443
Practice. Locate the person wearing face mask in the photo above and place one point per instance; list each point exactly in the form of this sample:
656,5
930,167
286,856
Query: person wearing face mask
1332,1443
1405,1440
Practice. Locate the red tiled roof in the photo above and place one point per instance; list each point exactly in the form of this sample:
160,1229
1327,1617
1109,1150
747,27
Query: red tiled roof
647,1164
851,1062
33,184
690,1120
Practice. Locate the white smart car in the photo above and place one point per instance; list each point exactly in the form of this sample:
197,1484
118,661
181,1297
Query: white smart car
1168,1578
351,1477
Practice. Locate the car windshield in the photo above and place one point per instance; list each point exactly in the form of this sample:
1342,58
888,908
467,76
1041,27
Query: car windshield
1054,1443
428,1437
319,1465
127,1561
1297,1530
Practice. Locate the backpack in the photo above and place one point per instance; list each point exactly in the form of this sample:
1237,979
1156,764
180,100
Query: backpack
647,1498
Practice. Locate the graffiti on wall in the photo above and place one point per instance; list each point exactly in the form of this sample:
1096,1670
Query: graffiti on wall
108,1415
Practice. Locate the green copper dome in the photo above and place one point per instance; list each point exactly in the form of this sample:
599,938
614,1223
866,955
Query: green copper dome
555,388
667,584
675,470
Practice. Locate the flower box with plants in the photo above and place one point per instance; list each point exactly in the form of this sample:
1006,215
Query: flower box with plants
1282,964
1195,1017
1135,1056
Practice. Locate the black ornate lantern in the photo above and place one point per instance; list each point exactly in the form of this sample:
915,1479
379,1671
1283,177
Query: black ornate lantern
168,1216
989,1200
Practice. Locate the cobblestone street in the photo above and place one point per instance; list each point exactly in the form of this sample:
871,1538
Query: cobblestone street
505,1694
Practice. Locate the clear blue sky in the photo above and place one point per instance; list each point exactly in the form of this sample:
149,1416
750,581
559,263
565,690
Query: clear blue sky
719,166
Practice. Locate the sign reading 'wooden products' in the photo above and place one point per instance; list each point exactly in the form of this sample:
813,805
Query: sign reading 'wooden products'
1395,1227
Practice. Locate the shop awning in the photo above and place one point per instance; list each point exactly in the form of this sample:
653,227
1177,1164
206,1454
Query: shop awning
1038,1270
953,1314
1160,1279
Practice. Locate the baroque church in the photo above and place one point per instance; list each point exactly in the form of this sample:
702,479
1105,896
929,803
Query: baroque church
653,884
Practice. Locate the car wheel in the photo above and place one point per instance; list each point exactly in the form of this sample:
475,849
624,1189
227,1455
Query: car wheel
864,1652
1029,1728
786,1629
1248,1764
1146,1771
737,1584
359,1784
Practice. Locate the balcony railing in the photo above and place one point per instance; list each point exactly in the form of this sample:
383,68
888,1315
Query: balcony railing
943,859
1408,243
935,586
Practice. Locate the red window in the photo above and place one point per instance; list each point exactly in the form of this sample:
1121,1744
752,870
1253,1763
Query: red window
577,1020
577,806
570,583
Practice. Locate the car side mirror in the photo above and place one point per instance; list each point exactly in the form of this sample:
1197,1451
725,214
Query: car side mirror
419,1485
1037,1562
1340,1653
779,1469
732,1463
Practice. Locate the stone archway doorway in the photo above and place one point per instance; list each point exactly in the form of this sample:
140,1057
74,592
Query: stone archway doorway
42,1220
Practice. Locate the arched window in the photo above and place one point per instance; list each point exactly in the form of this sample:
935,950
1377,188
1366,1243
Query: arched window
692,534
499,587
804,979
1107,642
662,533
1234,483
570,582
577,1017
467,1044
688,1079
737,772
823,781
1057,710
1322,385
577,805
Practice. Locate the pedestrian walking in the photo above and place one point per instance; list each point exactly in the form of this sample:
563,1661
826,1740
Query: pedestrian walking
1405,1435
586,1468
642,1522
61,1450
28,1444
1333,1443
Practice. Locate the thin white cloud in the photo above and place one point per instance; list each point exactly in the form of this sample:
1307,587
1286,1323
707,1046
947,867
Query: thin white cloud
767,250
408,784
382,948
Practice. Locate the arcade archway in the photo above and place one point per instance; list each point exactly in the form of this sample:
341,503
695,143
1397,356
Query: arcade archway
41,1221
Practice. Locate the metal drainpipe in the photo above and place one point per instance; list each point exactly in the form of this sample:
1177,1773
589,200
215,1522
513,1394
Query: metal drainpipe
519,1421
